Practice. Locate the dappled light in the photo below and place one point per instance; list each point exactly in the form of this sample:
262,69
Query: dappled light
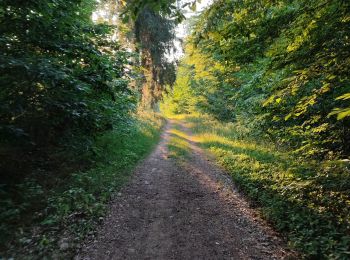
264,88
280,182
174,129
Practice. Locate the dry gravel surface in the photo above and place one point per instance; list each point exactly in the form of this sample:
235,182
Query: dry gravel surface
182,209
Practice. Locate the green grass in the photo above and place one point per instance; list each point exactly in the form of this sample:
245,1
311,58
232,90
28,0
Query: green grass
306,200
76,204
178,143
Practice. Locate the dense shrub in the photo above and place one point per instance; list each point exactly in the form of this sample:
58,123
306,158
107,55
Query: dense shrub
279,67
61,77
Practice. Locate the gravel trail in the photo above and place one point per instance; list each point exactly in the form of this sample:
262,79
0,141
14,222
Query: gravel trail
182,209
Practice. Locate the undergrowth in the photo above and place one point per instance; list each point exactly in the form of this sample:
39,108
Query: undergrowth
306,200
51,222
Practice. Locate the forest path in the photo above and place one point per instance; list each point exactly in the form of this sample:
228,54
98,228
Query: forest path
181,208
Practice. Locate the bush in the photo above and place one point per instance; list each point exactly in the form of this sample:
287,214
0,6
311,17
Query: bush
43,212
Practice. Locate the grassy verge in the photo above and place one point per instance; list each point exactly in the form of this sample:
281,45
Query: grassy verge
309,201
71,209
178,145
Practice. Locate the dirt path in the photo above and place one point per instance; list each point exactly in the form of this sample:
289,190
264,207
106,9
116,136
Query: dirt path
187,210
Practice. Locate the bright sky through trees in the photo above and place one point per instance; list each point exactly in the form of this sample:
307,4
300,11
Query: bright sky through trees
181,29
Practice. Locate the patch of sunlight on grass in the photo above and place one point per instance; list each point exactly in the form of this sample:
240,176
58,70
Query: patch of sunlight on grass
308,200
178,133
211,139
179,142
212,133
178,147
182,116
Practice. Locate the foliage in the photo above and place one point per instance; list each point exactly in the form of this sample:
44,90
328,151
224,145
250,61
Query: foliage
36,223
168,8
278,67
66,106
307,200
180,98
276,76
155,35
62,79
